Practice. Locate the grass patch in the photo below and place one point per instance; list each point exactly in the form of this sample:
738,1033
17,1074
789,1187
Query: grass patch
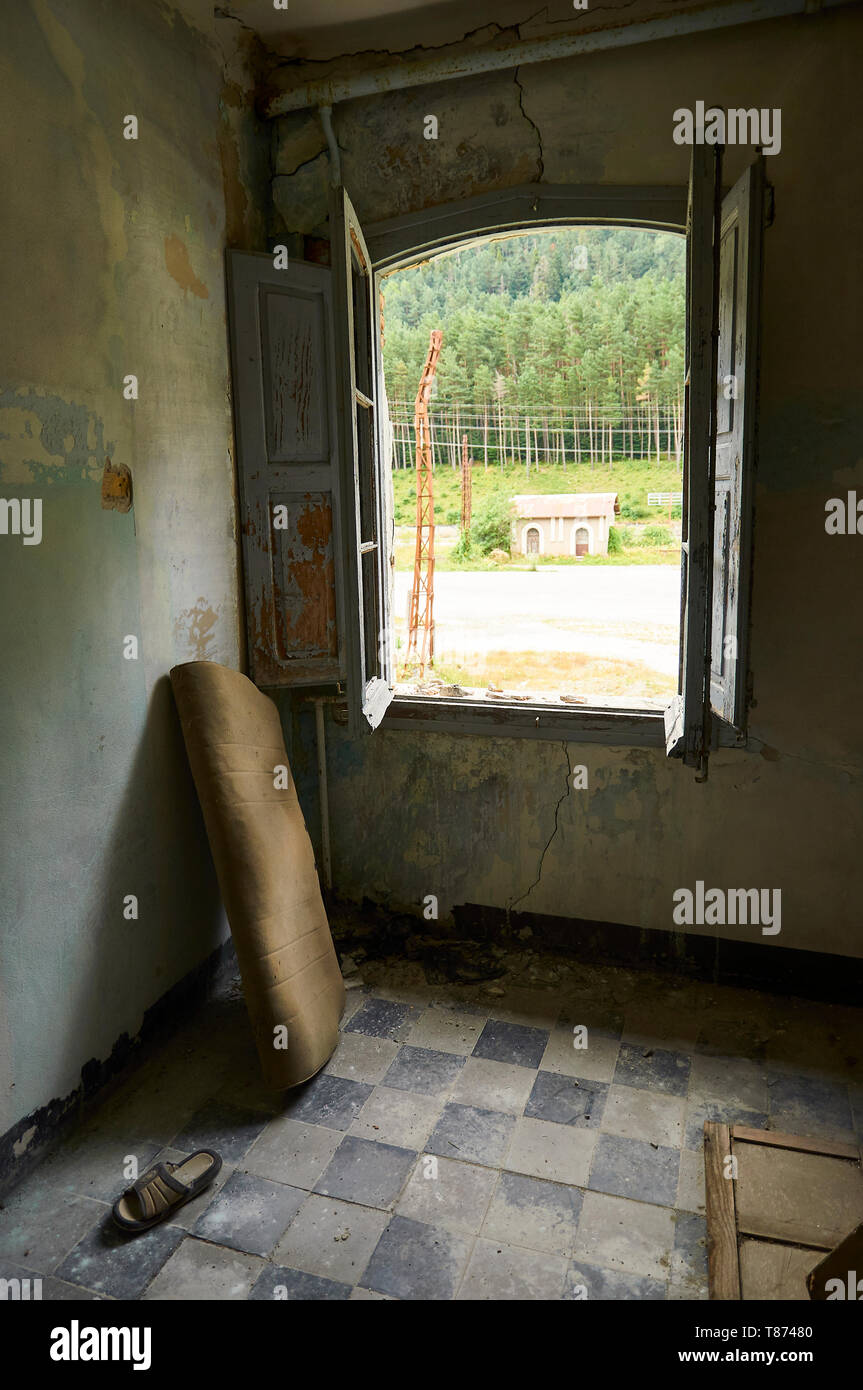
493,489
631,479
549,674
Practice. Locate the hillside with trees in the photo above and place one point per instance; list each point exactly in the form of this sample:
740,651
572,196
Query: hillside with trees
561,348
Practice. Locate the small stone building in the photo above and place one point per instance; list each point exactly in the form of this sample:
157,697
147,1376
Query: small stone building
563,523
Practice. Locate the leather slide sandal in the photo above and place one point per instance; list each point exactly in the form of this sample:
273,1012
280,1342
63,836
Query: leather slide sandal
163,1188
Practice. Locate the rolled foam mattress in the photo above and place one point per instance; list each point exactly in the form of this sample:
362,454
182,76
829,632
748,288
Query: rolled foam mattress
266,869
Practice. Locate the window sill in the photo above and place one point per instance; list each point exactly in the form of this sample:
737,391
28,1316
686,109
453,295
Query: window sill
522,720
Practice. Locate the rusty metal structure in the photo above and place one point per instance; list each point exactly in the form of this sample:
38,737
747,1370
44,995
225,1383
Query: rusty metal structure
466,491
420,649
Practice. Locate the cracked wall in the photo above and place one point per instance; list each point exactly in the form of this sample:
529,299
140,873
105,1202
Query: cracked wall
95,785
471,819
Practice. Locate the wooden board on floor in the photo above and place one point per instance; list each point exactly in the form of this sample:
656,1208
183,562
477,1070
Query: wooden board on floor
804,1198
723,1269
775,1204
775,1139
775,1271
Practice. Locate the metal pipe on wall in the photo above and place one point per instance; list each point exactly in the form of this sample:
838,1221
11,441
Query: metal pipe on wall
326,115
323,792
469,63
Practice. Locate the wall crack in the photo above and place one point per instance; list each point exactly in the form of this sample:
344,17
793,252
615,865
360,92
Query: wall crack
410,55
303,164
540,157
222,12
513,902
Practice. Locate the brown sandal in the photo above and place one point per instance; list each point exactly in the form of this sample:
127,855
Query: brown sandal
163,1188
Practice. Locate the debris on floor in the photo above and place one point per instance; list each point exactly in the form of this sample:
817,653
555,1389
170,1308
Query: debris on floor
461,1142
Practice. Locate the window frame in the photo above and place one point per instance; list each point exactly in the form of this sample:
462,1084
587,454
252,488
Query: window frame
365,532
404,241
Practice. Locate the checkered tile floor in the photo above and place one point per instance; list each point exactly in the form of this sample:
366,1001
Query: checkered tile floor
462,1143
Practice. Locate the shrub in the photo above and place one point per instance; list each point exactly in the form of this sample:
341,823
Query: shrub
490,528
615,541
656,535
463,549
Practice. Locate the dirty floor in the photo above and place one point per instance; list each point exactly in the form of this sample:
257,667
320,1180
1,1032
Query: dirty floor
536,1138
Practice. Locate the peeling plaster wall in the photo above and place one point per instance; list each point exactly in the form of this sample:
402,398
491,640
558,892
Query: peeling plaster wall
470,819
112,256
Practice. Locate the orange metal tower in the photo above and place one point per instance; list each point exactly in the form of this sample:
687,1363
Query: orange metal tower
466,491
421,616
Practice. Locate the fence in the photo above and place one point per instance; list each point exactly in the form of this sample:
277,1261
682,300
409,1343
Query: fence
592,435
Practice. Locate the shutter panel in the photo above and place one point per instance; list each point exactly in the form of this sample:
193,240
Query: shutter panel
282,348
686,729
366,532
736,405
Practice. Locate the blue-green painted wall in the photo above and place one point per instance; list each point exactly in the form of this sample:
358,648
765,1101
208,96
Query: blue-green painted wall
112,254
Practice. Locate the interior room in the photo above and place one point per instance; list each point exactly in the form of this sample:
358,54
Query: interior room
338,965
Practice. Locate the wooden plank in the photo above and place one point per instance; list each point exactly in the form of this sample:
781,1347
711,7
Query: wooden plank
845,1263
769,1271
800,1143
791,1195
723,1268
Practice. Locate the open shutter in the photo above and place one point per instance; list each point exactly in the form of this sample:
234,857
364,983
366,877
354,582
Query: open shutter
736,405
686,718
364,506
282,348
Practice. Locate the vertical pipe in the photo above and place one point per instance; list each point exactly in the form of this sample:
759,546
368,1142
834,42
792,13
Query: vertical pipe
323,793
326,115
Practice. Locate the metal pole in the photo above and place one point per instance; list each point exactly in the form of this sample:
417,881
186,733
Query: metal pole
323,793
422,591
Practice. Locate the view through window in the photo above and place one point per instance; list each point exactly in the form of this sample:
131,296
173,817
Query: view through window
550,432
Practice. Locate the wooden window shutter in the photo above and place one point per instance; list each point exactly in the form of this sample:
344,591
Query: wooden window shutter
284,380
686,718
736,410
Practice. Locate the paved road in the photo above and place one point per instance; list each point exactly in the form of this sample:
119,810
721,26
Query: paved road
629,612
